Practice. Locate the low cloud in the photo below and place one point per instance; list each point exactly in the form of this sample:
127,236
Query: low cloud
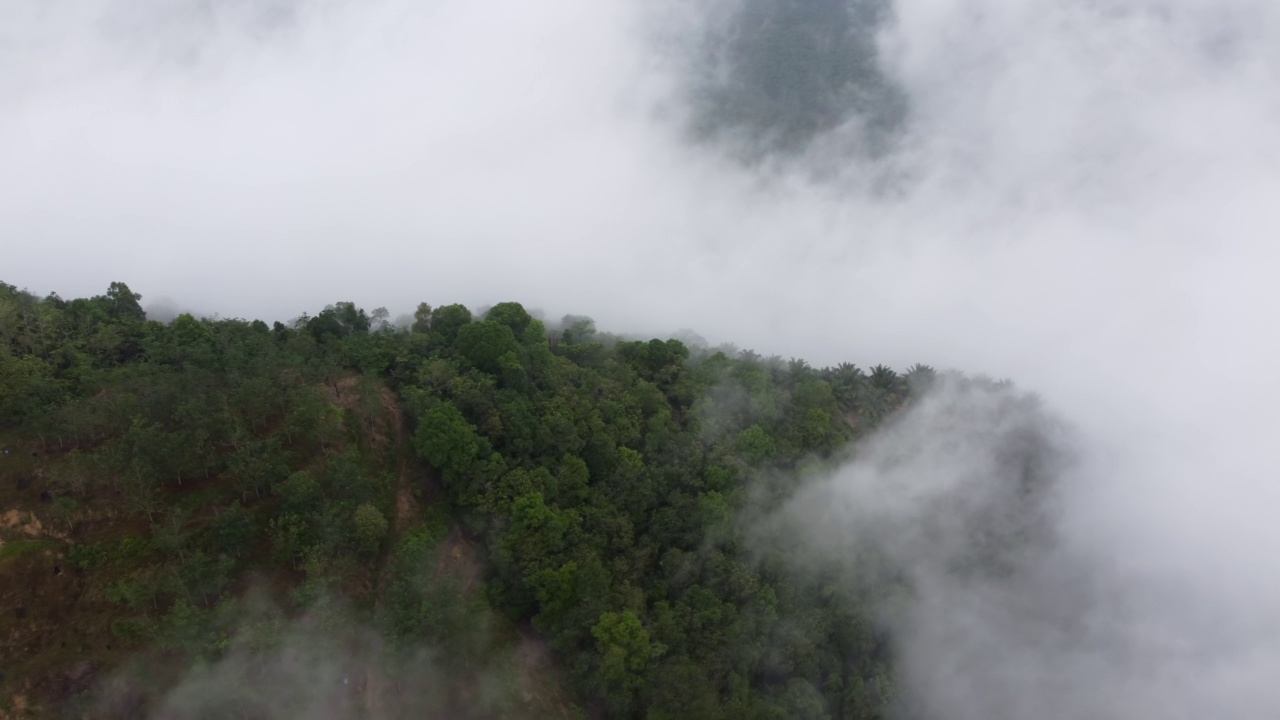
1082,198
961,521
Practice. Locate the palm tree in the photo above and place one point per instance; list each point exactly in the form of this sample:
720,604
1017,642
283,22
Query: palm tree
777,369
886,379
875,404
846,381
920,378
849,372
797,370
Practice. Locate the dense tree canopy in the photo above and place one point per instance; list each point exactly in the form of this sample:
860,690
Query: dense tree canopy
598,481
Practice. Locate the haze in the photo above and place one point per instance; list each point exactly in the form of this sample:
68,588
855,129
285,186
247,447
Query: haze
1079,196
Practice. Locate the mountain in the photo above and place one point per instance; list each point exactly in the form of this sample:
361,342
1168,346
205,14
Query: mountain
471,517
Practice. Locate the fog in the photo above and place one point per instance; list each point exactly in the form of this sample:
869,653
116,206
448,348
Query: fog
1079,196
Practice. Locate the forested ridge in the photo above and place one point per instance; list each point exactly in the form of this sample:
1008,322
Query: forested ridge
555,517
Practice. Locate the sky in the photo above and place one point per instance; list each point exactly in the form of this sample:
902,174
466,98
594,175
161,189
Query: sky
1076,195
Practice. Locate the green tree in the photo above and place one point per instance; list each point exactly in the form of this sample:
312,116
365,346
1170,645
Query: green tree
512,315
451,445
170,535
484,344
258,464
370,529
291,539
125,303
625,651
233,531
421,319
447,321
65,508
447,441
756,445
27,389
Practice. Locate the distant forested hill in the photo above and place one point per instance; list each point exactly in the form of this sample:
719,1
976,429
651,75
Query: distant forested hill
481,516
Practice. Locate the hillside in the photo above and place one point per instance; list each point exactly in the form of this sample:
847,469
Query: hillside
470,516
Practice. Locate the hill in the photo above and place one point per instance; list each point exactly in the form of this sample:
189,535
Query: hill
471,516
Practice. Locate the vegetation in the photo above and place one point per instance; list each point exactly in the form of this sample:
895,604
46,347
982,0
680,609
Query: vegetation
470,484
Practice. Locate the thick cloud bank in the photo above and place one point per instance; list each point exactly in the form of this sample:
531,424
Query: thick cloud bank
1077,195
971,500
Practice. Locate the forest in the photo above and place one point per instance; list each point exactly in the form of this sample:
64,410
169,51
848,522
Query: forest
463,514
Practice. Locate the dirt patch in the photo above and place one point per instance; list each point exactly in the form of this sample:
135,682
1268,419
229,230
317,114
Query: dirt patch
531,656
538,675
342,391
27,524
393,408
19,705
461,561
24,522
404,495
373,686
379,413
